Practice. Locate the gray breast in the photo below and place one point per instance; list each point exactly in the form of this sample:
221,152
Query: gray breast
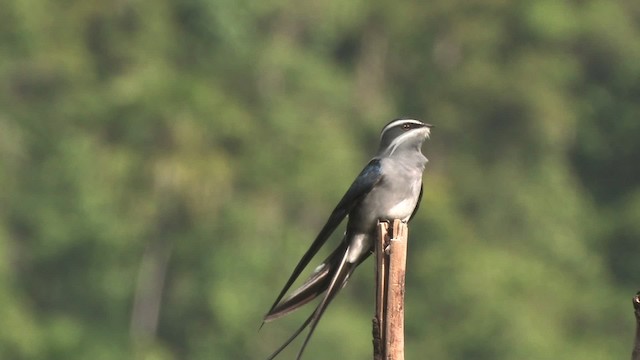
395,197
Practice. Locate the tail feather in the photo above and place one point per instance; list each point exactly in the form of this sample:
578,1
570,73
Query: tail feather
291,338
317,283
328,279
307,292
337,282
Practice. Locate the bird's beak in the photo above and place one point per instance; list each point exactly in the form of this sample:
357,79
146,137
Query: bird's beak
429,126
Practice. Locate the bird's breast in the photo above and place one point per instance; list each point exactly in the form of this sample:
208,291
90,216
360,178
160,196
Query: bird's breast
395,197
402,210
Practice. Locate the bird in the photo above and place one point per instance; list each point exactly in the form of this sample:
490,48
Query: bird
389,187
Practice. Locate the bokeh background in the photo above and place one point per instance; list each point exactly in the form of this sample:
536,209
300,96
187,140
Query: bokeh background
164,164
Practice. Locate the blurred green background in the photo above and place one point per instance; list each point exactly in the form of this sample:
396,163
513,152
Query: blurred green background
164,164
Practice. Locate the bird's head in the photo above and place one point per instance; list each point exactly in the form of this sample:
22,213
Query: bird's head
403,134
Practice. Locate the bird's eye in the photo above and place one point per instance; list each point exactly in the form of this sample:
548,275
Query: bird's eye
406,126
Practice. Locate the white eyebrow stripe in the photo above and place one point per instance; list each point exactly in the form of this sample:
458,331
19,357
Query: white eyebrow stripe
398,122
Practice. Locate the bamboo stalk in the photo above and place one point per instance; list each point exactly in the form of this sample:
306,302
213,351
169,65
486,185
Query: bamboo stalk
395,291
635,355
388,323
381,275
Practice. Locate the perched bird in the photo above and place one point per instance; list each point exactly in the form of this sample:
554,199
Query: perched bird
388,188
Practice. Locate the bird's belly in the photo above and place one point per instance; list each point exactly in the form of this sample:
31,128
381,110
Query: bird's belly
394,198
389,204
402,210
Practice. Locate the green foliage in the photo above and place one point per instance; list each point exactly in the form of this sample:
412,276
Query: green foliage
164,165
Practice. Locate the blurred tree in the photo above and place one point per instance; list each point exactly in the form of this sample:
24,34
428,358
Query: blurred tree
164,164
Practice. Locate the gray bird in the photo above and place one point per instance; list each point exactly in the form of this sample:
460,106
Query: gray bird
389,187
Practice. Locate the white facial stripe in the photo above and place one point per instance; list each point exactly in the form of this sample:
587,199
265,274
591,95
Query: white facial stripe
400,139
399,122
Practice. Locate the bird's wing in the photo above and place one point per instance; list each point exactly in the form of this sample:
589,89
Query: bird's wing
362,185
415,209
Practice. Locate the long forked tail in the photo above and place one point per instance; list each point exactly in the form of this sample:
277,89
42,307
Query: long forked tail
315,285
339,279
335,279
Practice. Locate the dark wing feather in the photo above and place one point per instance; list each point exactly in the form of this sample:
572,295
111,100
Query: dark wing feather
361,186
415,210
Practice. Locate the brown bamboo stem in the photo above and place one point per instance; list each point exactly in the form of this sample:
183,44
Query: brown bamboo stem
388,323
395,292
635,355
